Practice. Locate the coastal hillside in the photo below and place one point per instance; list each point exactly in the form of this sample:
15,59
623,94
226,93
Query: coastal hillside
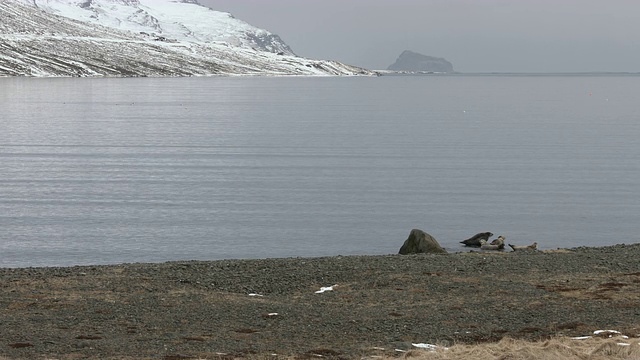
142,38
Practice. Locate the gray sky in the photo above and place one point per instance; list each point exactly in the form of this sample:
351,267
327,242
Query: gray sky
475,35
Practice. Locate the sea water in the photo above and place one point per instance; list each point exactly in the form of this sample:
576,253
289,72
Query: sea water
105,171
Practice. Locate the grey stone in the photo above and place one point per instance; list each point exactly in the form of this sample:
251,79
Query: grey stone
421,242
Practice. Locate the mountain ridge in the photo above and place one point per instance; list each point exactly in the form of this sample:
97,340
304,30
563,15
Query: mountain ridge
184,20
105,38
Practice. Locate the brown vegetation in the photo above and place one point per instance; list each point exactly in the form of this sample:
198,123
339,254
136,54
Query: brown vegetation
554,349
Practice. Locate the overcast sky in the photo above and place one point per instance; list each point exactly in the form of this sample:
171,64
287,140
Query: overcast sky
475,35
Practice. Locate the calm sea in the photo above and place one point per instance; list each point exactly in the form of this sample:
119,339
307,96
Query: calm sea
104,171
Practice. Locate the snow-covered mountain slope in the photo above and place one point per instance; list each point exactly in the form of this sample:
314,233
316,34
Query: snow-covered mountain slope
141,38
182,20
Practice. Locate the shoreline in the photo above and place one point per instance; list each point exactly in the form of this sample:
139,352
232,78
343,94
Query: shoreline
254,307
463,250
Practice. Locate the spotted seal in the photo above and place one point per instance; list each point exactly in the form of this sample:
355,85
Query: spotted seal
531,247
498,241
497,244
474,241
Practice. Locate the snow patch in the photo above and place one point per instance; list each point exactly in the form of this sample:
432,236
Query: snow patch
327,288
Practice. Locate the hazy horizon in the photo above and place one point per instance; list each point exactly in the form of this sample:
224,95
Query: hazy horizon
487,36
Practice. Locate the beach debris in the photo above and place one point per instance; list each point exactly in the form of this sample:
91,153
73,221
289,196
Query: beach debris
600,332
253,294
607,333
325,288
603,334
270,315
323,353
430,347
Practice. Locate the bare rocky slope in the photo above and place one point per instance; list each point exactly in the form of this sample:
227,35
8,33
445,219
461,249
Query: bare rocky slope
37,42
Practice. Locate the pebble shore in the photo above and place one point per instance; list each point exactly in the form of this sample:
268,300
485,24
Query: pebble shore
371,305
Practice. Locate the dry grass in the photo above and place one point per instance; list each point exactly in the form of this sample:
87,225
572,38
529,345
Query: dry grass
554,349
560,348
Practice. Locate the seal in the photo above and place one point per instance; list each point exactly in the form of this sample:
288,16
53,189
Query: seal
498,241
474,241
497,244
531,247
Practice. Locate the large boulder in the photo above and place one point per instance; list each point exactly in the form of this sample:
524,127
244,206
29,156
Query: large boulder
421,242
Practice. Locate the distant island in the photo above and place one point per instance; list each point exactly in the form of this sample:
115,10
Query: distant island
410,61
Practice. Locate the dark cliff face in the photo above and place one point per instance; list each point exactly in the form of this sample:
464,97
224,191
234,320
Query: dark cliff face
414,62
271,43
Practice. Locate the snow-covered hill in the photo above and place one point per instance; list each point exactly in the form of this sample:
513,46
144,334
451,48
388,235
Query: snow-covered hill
142,38
182,20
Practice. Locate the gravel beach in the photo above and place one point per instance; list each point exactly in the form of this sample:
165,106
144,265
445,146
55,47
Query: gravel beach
256,308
